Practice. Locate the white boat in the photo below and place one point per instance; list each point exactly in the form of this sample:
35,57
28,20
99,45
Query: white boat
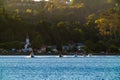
31,55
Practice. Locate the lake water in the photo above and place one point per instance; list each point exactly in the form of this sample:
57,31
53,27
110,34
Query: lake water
54,68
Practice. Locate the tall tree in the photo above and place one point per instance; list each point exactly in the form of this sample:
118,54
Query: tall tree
91,33
108,24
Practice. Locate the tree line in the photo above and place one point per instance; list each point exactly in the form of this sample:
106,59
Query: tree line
94,23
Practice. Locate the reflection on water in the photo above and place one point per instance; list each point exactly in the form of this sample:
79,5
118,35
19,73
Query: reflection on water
54,68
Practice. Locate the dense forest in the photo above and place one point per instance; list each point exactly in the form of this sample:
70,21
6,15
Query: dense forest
96,23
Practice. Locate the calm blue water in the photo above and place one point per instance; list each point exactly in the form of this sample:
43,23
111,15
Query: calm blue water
54,68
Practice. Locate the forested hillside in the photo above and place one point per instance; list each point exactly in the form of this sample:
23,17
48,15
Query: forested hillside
92,22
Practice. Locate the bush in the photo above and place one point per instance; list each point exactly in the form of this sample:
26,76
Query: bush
86,49
13,44
113,49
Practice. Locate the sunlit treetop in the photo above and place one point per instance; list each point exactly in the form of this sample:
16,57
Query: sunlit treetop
40,0
34,0
64,1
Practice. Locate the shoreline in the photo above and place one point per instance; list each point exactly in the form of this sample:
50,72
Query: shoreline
53,54
62,56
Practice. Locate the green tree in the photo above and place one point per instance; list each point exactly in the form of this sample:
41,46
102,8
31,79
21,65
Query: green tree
90,31
108,25
113,49
38,41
